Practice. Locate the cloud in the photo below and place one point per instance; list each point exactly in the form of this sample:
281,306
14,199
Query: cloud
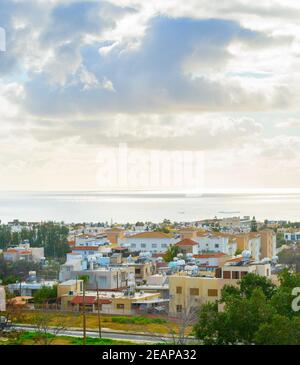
82,76
172,69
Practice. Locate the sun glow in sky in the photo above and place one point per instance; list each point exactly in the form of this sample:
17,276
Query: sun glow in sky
218,78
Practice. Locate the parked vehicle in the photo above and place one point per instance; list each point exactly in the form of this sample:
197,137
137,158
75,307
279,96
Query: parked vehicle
5,323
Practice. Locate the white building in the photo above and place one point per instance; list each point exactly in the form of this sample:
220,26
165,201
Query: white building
148,242
24,252
210,242
254,246
29,288
292,236
91,240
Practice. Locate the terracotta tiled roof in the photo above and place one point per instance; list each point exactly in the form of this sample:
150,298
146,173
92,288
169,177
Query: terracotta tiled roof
85,248
79,300
186,242
150,235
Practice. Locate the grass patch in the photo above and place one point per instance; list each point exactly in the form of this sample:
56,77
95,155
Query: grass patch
137,320
29,338
97,341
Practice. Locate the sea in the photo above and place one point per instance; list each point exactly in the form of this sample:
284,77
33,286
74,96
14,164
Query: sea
75,207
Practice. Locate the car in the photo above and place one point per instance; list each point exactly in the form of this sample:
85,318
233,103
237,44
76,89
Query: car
5,323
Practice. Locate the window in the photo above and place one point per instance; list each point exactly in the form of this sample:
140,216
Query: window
120,306
133,245
179,308
218,273
243,273
143,245
137,271
216,245
164,245
235,274
154,245
178,290
212,292
194,291
226,274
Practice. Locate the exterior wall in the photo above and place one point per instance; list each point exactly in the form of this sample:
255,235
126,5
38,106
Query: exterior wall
148,244
119,305
143,271
213,244
186,300
69,286
188,249
106,279
195,291
267,243
37,253
187,234
254,247
292,236
242,242
115,236
91,241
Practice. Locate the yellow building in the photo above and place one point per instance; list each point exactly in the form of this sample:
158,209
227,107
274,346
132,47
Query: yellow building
111,302
114,235
189,292
268,243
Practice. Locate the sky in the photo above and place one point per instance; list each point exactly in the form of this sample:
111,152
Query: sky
150,95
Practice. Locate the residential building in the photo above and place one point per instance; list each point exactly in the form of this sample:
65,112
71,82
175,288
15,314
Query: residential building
88,240
24,252
268,243
292,236
156,283
187,245
28,288
111,302
216,242
148,242
115,277
210,261
115,235
188,292
142,270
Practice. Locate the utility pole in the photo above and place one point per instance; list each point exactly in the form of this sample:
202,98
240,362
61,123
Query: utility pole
84,314
99,315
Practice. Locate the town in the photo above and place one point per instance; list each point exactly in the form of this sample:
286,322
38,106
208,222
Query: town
135,274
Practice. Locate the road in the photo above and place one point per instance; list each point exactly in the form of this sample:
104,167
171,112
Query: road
114,335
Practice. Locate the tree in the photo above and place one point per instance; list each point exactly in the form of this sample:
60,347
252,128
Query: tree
45,294
172,252
280,331
44,333
206,329
239,321
184,322
253,225
252,281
